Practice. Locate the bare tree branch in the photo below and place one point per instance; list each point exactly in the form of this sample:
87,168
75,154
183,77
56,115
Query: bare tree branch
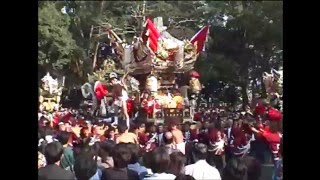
91,31
187,20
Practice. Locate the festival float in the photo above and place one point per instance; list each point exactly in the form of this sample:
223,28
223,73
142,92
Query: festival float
50,94
273,82
154,61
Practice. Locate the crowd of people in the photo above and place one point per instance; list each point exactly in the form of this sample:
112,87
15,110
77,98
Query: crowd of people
217,144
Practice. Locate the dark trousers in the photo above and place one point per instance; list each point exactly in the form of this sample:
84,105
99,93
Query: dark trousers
260,150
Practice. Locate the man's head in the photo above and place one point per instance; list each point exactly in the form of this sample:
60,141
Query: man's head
134,150
110,132
68,126
53,152
145,95
229,123
62,126
142,127
200,151
160,160
85,166
63,137
121,155
235,170
168,138
114,81
206,125
84,132
152,128
122,128
160,128
253,168
98,129
186,126
173,125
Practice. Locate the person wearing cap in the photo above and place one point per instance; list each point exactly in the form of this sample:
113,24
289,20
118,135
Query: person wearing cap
120,96
62,127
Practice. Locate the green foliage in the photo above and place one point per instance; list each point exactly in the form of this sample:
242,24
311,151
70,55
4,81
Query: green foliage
55,44
66,40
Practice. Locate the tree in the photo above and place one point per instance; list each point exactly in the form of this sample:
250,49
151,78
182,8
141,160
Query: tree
246,44
55,45
245,38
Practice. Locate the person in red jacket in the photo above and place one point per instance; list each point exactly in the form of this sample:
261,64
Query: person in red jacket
130,107
272,137
216,148
100,91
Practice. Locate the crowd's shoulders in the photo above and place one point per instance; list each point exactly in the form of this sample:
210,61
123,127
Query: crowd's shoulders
54,172
116,173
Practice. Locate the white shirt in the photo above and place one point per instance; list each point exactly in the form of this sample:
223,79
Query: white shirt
161,176
152,84
202,170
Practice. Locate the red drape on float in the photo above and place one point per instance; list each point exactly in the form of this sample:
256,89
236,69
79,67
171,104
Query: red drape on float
151,35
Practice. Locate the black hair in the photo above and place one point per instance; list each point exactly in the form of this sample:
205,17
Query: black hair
107,132
121,156
111,128
253,168
96,148
200,151
184,177
63,137
146,159
166,140
45,131
53,152
122,128
85,167
177,161
106,149
187,123
82,131
134,150
235,170
160,160
151,127
100,123
133,127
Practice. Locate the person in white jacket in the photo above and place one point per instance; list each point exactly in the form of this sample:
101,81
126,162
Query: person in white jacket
201,169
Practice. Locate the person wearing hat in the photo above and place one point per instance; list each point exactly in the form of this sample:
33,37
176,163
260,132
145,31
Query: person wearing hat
120,96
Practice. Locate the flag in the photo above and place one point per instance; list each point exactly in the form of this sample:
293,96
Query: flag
151,35
200,38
